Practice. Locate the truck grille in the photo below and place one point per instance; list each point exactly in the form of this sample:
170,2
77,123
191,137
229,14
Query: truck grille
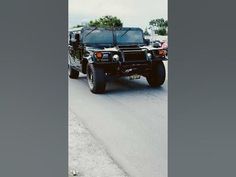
134,56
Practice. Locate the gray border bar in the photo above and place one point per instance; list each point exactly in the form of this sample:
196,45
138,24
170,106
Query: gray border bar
202,88
33,88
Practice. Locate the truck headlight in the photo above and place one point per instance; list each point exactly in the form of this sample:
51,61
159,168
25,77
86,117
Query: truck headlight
149,56
162,53
115,57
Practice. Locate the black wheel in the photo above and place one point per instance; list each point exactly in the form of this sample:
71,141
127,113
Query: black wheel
96,79
73,74
157,75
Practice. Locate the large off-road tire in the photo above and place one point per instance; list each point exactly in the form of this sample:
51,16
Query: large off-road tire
157,75
96,79
73,74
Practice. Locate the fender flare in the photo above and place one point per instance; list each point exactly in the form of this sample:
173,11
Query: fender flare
85,61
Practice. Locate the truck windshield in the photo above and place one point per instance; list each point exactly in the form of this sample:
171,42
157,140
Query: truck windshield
98,36
106,36
129,36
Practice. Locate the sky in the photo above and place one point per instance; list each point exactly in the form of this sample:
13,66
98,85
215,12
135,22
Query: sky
133,13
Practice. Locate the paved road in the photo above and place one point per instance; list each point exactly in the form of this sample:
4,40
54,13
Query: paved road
130,120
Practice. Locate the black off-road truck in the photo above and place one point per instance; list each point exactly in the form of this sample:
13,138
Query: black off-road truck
104,52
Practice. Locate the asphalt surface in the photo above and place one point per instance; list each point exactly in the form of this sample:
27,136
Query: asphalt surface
129,120
87,156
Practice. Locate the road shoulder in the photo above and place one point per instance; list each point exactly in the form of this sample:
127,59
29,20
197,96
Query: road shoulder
87,157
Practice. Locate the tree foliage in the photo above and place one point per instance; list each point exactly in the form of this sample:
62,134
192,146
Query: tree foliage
161,31
160,26
106,21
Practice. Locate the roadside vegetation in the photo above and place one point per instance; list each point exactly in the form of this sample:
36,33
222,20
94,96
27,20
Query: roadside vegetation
106,21
158,26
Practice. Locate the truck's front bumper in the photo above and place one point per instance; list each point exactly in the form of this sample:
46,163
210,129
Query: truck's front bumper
128,68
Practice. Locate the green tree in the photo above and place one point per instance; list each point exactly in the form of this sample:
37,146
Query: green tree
160,26
161,31
106,21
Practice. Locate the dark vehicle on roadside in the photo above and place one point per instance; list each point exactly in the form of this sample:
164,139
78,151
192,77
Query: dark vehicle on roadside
114,52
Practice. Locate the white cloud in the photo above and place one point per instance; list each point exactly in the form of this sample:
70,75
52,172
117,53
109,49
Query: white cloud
131,12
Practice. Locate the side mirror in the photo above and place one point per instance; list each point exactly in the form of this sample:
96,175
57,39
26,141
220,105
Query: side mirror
77,37
147,41
70,35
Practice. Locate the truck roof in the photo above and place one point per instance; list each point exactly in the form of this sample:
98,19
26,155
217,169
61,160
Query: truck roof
114,28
